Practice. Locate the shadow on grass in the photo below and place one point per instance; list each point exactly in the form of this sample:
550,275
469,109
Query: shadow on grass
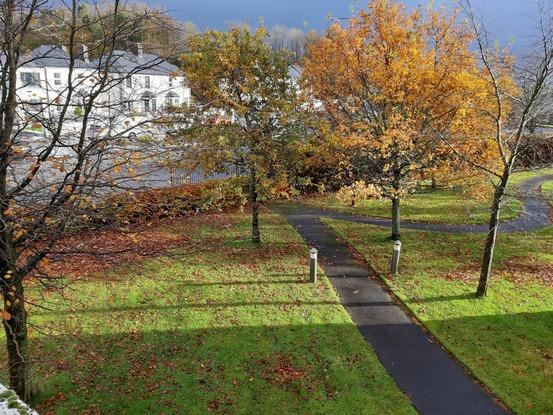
467,296
214,304
234,370
251,282
295,368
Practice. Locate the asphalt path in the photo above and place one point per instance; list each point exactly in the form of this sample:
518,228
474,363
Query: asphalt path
436,383
536,214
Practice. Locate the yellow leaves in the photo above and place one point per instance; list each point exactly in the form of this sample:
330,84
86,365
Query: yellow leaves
19,233
357,192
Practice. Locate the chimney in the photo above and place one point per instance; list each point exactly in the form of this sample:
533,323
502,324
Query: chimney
85,56
64,48
139,50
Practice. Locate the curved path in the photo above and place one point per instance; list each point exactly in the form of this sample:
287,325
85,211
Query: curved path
536,214
436,383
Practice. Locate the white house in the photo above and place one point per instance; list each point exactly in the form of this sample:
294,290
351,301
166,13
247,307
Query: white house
141,85
43,79
148,82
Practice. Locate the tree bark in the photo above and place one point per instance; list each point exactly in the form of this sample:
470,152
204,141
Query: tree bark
493,227
17,343
395,219
256,236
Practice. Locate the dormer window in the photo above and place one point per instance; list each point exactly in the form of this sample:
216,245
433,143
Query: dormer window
147,82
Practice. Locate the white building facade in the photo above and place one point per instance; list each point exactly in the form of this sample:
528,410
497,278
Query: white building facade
141,86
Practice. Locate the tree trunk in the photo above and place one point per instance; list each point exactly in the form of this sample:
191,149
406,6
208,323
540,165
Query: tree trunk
492,237
256,237
17,343
395,219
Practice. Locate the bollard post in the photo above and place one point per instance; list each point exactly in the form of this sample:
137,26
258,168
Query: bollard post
313,265
395,257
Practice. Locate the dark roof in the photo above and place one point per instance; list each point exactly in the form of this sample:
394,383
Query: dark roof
146,64
53,56
50,56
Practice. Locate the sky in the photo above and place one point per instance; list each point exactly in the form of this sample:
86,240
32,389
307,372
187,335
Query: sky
512,20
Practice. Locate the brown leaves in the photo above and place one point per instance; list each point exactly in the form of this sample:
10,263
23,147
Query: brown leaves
6,316
89,253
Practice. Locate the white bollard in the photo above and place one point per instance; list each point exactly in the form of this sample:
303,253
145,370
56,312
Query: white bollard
313,265
395,257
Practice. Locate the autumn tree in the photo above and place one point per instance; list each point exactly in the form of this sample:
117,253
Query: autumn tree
49,178
390,82
514,95
248,106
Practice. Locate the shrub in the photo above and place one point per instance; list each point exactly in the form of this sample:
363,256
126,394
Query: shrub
131,207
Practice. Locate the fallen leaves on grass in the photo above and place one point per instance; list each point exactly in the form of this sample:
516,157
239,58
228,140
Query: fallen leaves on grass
521,269
92,252
280,371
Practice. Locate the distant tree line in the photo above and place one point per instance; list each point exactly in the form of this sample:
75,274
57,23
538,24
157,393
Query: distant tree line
158,34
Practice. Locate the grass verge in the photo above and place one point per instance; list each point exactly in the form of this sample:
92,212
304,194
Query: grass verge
506,340
215,326
547,190
440,206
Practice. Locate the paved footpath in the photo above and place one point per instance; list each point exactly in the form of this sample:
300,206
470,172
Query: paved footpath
536,214
436,383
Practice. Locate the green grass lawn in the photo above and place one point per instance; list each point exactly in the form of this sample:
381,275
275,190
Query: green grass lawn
547,190
506,340
519,177
440,206
217,326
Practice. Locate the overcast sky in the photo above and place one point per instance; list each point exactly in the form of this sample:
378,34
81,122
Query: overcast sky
512,19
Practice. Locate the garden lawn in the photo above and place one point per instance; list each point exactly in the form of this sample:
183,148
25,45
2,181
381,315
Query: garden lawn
216,326
547,190
519,177
440,206
506,339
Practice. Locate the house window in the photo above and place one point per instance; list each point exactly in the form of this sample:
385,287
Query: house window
147,81
149,103
172,100
57,78
128,82
30,78
171,82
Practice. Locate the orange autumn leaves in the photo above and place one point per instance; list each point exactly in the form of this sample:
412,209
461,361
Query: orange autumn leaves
402,88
